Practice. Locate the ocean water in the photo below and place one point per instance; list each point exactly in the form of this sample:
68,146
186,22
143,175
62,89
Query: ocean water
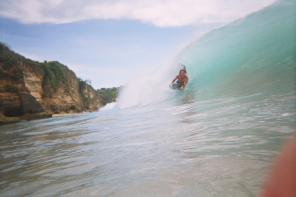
218,137
218,147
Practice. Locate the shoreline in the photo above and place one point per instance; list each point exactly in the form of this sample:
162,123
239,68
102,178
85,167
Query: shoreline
4,120
73,113
27,117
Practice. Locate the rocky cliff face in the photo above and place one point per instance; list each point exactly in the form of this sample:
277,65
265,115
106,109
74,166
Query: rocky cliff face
29,88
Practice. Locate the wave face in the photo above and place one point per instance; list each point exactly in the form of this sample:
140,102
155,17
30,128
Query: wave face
252,55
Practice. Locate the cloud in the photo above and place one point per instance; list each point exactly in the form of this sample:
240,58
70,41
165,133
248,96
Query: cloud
162,13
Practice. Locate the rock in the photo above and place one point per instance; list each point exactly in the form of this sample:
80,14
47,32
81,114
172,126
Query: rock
30,89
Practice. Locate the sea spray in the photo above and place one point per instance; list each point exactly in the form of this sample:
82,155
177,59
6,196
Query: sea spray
109,106
149,87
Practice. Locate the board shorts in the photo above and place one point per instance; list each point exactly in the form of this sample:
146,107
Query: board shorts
176,85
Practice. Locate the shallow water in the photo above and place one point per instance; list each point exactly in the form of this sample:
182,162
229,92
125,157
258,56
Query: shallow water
184,147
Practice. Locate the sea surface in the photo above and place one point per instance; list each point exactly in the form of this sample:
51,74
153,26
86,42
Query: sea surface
219,147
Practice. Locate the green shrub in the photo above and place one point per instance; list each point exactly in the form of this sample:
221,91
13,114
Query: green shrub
54,73
108,95
7,58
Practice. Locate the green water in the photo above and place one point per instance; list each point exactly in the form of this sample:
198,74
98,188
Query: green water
253,55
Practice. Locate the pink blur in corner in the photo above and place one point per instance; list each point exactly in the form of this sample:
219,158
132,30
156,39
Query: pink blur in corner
282,180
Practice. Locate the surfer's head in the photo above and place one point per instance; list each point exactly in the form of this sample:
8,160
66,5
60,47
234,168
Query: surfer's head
182,72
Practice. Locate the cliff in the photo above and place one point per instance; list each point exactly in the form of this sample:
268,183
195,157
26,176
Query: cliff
31,89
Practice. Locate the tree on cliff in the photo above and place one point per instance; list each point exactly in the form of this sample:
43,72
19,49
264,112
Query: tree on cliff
108,95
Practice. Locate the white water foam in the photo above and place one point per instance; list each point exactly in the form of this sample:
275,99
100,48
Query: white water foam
109,106
148,88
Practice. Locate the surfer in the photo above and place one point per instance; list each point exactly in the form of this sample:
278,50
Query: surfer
181,80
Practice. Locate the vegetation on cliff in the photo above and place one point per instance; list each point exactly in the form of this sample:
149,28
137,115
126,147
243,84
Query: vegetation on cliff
54,73
108,95
7,60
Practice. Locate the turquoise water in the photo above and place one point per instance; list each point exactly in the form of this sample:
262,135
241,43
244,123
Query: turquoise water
216,138
253,55
219,147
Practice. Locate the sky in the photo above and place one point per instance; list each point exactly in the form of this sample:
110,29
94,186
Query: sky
110,41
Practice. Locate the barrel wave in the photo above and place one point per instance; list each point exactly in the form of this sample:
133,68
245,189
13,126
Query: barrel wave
253,55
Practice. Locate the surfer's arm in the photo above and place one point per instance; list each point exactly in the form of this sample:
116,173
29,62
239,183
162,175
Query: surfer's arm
175,79
185,81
